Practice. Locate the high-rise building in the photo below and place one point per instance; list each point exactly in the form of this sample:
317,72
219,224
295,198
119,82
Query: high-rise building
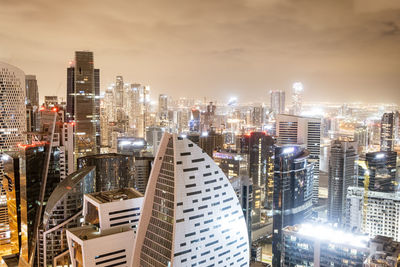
191,213
293,190
82,105
63,211
322,245
389,130
382,171
31,90
210,141
277,101
113,171
163,109
342,175
119,92
143,166
375,213
297,98
261,151
302,131
12,127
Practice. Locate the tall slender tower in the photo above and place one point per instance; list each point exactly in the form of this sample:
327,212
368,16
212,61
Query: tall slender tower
297,97
190,213
82,103
342,175
32,92
277,101
389,130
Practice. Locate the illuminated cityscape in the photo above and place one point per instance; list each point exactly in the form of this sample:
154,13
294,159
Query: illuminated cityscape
200,133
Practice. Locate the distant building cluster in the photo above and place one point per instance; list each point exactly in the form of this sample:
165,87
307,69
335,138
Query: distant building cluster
116,177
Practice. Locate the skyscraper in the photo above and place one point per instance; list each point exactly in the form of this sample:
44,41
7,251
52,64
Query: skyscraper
297,98
302,131
191,213
382,171
63,210
261,151
277,101
293,186
342,175
31,90
113,171
12,127
389,130
12,103
82,105
163,109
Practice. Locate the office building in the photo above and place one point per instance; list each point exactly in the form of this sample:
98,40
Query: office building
297,98
107,237
322,245
63,211
31,90
389,130
211,141
12,127
163,109
382,171
302,131
82,105
113,171
143,166
277,101
191,214
374,213
342,175
293,186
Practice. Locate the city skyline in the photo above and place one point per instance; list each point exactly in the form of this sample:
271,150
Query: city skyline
339,50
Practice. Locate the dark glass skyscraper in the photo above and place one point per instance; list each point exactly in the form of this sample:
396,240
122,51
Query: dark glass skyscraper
293,190
382,171
83,106
113,171
342,175
31,90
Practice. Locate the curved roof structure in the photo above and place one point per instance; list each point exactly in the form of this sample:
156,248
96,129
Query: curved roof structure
64,188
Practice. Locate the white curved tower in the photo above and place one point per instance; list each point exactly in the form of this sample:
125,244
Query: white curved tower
191,214
12,106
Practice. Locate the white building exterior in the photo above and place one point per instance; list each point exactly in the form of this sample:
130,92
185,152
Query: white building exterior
191,214
383,212
108,239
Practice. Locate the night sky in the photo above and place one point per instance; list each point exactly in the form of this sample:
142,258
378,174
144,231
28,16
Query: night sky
342,50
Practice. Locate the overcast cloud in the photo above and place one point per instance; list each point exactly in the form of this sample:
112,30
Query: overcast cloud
342,50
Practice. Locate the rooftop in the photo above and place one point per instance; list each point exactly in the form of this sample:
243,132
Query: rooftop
116,195
327,233
88,232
